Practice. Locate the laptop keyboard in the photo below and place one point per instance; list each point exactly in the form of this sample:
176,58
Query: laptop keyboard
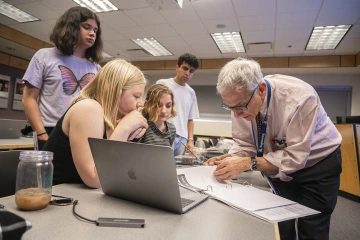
185,202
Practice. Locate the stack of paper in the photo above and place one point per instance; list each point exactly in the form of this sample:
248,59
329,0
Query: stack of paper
257,202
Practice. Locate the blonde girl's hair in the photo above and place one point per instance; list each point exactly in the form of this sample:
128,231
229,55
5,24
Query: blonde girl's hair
153,96
107,86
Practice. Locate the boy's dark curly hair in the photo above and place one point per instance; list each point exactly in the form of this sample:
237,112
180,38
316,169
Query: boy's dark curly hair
189,59
65,33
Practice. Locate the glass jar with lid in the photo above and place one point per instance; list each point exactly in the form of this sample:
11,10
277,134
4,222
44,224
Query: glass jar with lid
34,180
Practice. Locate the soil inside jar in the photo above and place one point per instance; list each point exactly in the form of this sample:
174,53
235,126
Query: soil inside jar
32,199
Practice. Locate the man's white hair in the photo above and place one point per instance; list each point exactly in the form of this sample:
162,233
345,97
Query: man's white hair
240,74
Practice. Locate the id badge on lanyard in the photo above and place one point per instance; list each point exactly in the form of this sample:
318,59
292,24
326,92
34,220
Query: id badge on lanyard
260,145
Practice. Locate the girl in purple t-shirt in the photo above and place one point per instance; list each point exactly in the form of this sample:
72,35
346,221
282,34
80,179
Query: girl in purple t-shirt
55,75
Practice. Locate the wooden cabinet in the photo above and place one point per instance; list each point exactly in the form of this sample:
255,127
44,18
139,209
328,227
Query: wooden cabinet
349,178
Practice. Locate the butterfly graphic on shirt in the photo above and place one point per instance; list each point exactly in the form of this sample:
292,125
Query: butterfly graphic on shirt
70,83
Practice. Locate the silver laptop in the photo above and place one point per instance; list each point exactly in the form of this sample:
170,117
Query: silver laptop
10,128
141,173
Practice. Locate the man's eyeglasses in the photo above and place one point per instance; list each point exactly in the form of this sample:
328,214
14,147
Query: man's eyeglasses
239,108
62,201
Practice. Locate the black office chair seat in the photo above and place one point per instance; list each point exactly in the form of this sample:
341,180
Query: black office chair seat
8,166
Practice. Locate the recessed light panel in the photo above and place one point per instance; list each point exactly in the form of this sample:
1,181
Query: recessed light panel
327,37
229,42
152,46
97,5
15,13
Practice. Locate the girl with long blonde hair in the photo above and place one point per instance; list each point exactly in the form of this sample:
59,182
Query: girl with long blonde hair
105,108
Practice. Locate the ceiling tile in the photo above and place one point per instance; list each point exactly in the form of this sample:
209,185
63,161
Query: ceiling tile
51,23
257,23
258,36
296,20
286,6
125,44
202,44
336,4
114,51
109,34
172,42
254,7
38,10
264,54
189,28
318,52
34,28
145,16
121,4
161,30
116,19
59,6
299,34
343,52
13,2
7,21
207,55
338,16
231,25
234,55
350,44
44,38
288,54
213,9
187,13
283,45
177,53
354,32
133,32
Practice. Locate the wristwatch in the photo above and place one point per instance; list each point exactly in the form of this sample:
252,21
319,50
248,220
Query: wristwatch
253,164
190,139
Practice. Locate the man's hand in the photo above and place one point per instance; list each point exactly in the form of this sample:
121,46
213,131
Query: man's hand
230,167
212,161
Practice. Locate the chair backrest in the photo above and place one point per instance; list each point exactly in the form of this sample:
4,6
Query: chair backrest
207,144
8,166
213,141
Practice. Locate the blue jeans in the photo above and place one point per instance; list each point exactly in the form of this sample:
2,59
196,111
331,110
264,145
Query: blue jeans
179,148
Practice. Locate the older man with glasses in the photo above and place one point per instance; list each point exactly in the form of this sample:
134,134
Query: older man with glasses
281,129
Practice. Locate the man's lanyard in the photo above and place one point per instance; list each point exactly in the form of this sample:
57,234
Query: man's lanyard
260,145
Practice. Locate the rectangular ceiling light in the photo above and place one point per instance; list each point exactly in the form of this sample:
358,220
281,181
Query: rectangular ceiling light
15,13
152,46
229,42
327,37
97,5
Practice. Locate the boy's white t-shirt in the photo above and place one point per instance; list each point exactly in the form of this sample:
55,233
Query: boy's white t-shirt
185,105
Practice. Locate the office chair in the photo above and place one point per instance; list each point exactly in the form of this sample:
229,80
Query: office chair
213,141
8,166
207,144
